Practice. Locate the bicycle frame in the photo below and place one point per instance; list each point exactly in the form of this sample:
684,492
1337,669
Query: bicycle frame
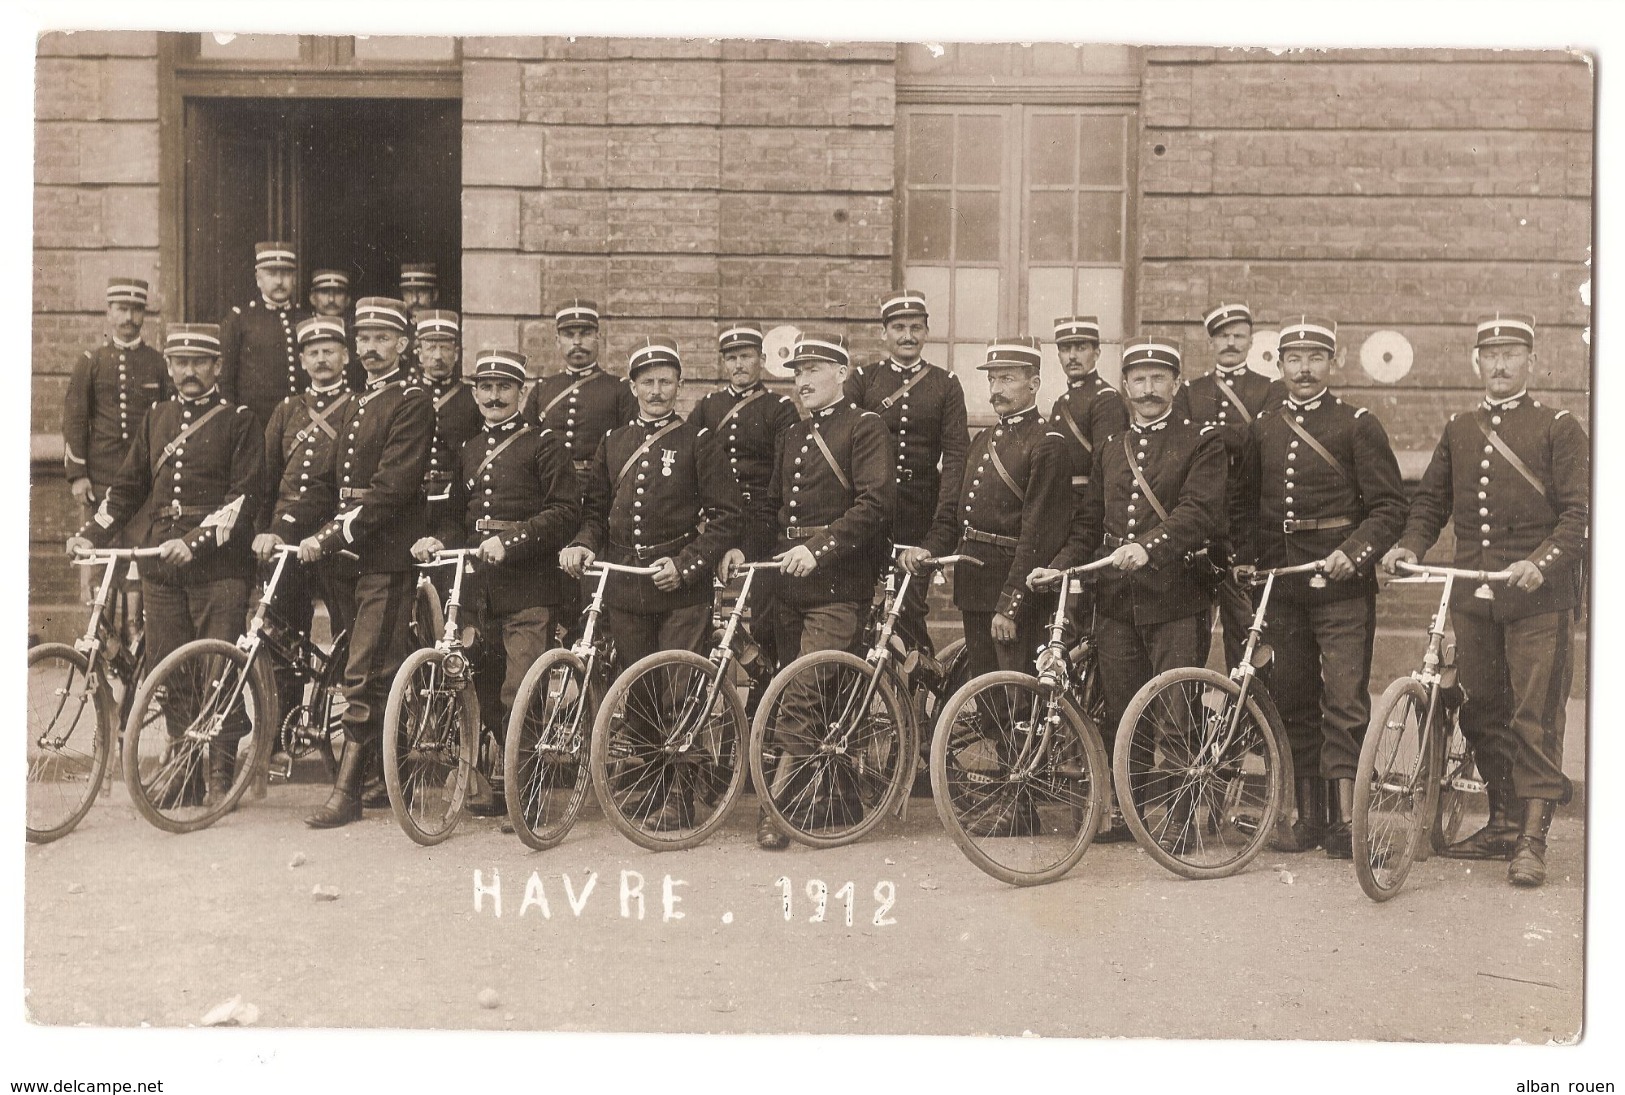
1244,672
91,644
1054,673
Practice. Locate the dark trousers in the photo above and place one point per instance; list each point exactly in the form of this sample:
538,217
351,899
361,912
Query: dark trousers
1516,675
1129,655
638,635
177,614
1235,617
761,536
1321,680
377,608
984,655
805,629
512,643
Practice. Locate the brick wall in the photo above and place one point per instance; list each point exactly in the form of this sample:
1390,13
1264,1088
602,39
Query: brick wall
678,183
95,217
1390,190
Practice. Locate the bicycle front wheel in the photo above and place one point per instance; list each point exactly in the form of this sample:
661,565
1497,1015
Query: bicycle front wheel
668,751
199,730
828,749
544,760
1019,778
431,738
1395,789
1458,779
70,738
1198,778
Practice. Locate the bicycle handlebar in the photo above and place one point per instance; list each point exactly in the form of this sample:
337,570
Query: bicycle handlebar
1071,572
95,556
1427,572
448,556
596,568
944,560
1258,577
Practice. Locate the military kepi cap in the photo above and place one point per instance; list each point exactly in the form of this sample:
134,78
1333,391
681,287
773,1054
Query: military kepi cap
1313,332
193,338
330,279
317,328
127,291
738,336
907,302
576,312
501,365
819,346
386,312
438,322
1149,351
419,275
1013,350
273,254
654,350
1221,316
1506,328
1078,329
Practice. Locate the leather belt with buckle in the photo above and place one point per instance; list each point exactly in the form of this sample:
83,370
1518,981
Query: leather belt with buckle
804,532
175,509
1313,524
354,494
977,536
1080,480
491,524
584,464
644,554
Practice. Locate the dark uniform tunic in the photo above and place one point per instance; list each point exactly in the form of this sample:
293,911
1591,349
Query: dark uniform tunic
1011,531
1294,507
1155,618
456,419
192,482
1090,412
376,470
673,498
1514,651
109,392
581,413
259,356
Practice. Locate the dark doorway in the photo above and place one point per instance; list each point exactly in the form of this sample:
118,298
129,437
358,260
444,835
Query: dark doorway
357,184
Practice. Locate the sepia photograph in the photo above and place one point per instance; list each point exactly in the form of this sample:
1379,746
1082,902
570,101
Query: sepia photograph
696,526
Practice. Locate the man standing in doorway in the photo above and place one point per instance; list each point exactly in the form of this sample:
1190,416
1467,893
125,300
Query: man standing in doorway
259,350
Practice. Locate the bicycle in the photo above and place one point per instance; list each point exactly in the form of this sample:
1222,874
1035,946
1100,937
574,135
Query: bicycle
1415,767
545,760
73,719
216,705
1019,773
1199,763
668,743
833,746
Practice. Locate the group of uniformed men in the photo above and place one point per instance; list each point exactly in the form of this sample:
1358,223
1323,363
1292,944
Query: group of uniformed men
370,472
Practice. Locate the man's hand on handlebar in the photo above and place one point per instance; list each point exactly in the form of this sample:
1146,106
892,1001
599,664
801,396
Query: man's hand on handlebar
732,559
575,559
798,561
1337,567
911,558
1525,575
1395,556
1130,557
265,545
1040,577
423,551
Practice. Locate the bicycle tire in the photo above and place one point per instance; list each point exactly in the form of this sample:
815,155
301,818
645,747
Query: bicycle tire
644,767
68,753
1032,831
1396,785
431,738
1173,806
545,792
189,688
828,798
1455,764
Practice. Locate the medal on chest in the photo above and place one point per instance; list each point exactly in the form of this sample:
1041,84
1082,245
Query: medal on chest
667,458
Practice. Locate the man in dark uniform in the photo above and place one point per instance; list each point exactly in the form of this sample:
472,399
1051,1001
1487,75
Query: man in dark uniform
1230,397
376,473
1318,481
581,403
109,392
330,296
1014,506
1091,410
1515,477
923,407
746,419
834,491
514,498
1155,495
198,458
456,415
420,289
259,353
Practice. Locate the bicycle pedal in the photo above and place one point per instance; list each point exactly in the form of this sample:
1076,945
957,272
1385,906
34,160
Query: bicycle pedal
1469,786
281,768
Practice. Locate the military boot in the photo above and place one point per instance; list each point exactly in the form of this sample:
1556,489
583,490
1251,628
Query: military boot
1340,836
222,767
768,835
1309,830
1496,839
344,804
1528,866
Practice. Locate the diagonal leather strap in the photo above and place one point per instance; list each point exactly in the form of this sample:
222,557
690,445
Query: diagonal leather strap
1072,425
919,375
491,456
648,443
829,458
1320,450
554,402
998,466
1140,480
1235,400
169,449
449,395
1511,457
321,420
739,405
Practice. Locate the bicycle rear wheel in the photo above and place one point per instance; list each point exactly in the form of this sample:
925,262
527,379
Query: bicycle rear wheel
1019,778
200,729
544,760
668,751
70,739
1197,778
1395,789
829,748
431,738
